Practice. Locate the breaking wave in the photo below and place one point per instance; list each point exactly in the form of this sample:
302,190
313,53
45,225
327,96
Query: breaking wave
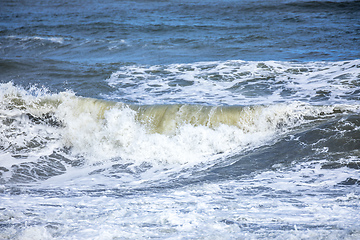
37,123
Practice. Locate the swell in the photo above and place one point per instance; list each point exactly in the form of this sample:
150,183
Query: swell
346,7
233,8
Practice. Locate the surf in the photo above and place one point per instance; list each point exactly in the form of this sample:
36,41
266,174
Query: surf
160,134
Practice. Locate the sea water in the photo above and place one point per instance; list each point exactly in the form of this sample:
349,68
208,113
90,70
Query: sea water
216,119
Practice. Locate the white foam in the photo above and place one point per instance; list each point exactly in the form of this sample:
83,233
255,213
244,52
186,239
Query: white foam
101,130
295,202
236,82
117,133
118,44
36,232
59,40
21,139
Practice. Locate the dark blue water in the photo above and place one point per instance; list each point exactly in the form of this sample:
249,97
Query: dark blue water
215,119
154,32
86,41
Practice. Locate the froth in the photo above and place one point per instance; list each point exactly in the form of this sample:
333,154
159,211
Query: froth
21,132
158,134
58,40
173,133
237,82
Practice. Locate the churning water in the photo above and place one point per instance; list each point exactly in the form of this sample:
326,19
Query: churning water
216,119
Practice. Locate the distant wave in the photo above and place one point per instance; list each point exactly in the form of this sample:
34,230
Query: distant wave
59,40
237,82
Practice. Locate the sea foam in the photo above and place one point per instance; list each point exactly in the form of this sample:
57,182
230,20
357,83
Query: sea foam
158,134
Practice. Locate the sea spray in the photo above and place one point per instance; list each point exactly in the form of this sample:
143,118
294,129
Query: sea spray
180,133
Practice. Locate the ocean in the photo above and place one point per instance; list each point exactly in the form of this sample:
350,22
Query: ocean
180,119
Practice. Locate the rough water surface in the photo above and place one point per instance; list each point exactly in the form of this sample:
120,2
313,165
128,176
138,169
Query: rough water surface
216,119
